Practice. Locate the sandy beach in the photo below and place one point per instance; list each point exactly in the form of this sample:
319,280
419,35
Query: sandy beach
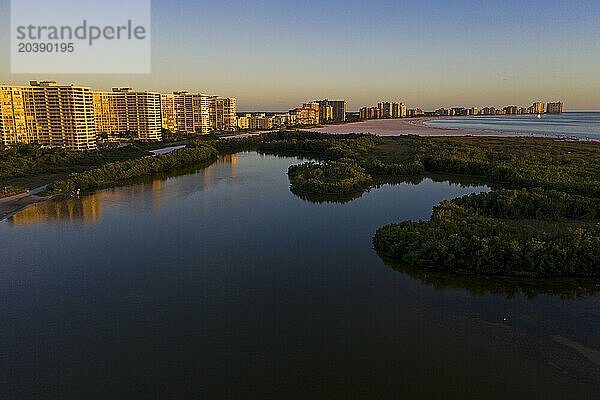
412,126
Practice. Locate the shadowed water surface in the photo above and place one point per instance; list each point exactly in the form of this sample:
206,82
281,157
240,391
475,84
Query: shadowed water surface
223,284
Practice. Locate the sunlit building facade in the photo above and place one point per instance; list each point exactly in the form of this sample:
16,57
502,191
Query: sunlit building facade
385,109
537,108
243,122
325,113
49,114
192,112
17,115
126,113
223,114
306,115
167,112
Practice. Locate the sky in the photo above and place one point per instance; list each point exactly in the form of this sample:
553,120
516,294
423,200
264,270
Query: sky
273,55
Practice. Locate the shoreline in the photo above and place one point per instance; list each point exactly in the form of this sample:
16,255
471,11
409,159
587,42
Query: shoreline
10,208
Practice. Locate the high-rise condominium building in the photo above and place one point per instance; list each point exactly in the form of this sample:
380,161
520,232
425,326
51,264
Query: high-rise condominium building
223,114
325,113
192,112
398,110
370,112
65,115
537,108
17,115
385,109
243,122
554,108
124,112
280,120
338,108
49,114
167,111
261,121
306,115
315,114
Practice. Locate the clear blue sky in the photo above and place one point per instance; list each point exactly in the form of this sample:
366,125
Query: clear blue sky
274,54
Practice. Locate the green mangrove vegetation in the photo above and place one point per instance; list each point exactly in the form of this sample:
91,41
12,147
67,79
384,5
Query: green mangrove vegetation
112,173
32,159
28,166
459,239
547,225
330,177
540,219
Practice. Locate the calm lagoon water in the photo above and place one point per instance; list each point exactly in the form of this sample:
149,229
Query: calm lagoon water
575,124
223,284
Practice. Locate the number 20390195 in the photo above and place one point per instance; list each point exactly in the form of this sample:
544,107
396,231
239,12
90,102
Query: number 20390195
46,48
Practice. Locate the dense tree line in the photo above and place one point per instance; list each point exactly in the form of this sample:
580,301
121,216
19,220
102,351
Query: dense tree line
26,160
330,177
456,239
534,203
123,170
529,163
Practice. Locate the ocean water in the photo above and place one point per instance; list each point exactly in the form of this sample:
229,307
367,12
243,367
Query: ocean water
575,124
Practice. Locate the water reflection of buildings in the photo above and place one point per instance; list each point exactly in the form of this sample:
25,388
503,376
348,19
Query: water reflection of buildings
87,209
148,193
223,160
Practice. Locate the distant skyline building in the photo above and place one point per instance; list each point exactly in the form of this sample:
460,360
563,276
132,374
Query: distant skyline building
325,113
306,115
385,109
338,109
261,121
398,110
537,108
554,108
